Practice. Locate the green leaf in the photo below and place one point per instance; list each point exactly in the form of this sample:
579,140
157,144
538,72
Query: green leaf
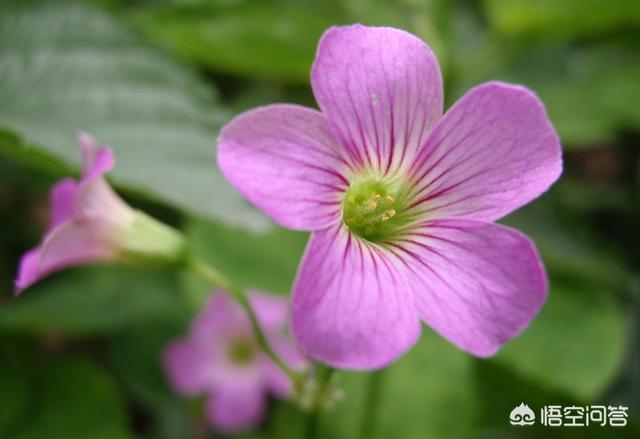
263,39
585,91
575,345
427,393
75,398
561,19
66,68
267,261
94,300
14,384
136,354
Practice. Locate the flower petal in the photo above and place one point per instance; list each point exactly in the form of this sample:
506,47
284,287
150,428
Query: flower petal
67,245
381,90
351,306
97,160
220,319
477,284
493,151
28,270
284,159
190,367
61,201
277,381
236,406
272,311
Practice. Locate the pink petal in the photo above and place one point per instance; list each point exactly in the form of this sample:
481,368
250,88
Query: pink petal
28,270
477,284
236,407
97,160
381,90
272,311
220,319
351,306
277,382
493,151
68,245
284,159
190,367
61,201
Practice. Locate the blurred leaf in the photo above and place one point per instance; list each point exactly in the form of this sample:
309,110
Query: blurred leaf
499,390
264,39
14,385
66,68
565,18
267,261
94,300
136,354
74,398
427,393
277,39
567,245
587,92
575,345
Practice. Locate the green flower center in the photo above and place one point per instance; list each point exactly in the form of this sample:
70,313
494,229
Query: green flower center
373,208
242,351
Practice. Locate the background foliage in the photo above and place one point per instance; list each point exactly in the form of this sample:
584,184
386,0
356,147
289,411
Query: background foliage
156,80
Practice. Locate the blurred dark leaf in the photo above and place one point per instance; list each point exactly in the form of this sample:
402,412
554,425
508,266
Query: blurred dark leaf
66,68
74,398
94,300
549,19
264,39
14,384
267,261
575,345
136,354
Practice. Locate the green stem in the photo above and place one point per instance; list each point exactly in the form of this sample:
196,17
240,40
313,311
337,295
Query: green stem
371,404
216,278
323,375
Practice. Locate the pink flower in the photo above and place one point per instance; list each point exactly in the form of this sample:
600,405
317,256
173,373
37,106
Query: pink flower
220,359
91,223
400,198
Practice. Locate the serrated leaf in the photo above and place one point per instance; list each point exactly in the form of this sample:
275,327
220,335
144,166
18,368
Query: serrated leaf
67,67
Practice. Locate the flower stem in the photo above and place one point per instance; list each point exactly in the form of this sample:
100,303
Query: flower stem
371,404
216,278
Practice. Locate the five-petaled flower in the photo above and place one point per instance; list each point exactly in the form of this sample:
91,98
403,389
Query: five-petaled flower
221,360
91,223
400,198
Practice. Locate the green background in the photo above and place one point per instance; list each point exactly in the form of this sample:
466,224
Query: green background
79,353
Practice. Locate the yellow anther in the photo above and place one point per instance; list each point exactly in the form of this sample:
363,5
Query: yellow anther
388,215
376,197
390,199
372,206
